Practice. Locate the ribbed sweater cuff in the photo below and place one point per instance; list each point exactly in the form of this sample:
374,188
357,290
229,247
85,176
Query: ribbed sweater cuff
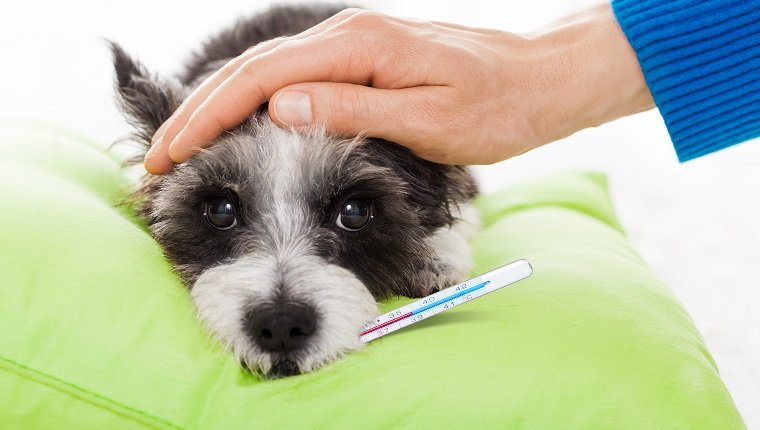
701,60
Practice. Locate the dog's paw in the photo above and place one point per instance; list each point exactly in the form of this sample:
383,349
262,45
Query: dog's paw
450,262
434,278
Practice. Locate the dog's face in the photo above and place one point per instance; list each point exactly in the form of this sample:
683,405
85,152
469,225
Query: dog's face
286,239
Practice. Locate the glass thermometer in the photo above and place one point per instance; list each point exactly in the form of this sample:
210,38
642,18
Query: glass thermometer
446,299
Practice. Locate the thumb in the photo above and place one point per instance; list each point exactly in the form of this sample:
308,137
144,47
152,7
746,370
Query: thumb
350,110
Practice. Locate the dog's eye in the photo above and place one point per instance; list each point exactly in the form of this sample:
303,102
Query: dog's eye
220,213
355,214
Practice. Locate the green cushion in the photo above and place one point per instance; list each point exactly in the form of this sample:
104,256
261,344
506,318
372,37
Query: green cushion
96,331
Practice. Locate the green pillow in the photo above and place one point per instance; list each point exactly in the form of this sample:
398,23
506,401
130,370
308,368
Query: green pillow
97,332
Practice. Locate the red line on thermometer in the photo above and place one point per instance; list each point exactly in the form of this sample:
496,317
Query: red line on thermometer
385,324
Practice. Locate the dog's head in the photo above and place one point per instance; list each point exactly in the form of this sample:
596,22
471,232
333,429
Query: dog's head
285,239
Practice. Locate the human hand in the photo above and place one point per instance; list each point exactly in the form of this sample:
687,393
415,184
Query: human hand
450,93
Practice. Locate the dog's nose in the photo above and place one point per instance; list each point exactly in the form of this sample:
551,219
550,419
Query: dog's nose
281,327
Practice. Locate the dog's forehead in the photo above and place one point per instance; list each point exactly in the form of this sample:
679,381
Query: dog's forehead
263,157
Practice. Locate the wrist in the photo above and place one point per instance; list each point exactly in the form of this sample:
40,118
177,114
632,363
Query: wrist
593,74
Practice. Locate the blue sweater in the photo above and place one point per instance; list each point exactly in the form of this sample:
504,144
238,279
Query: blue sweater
701,60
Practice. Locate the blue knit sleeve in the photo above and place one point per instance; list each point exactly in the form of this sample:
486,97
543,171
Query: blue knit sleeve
701,60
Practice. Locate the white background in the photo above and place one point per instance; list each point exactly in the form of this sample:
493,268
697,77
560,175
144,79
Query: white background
697,224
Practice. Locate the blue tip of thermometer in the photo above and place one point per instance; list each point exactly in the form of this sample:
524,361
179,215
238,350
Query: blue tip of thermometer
446,299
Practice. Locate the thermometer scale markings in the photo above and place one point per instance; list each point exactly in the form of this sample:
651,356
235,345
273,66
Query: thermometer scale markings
446,299
424,308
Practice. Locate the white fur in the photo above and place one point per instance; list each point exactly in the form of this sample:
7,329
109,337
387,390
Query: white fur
451,250
341,301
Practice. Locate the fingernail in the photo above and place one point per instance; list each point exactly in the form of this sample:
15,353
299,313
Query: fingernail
153,150
293,108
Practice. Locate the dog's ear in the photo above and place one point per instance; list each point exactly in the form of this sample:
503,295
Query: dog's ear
145,100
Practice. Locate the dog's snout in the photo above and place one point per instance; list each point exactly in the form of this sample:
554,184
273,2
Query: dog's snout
281,327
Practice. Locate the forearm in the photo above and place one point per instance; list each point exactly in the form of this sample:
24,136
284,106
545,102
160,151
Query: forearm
590,74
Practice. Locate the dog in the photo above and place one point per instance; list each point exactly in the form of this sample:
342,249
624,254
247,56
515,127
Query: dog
286,239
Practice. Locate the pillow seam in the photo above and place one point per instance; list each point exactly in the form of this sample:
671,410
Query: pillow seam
95,399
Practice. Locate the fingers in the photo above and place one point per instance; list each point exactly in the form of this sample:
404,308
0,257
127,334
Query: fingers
157,159
409,116
256,80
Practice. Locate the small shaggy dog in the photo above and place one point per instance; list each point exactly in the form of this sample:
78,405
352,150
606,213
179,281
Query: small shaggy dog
286,239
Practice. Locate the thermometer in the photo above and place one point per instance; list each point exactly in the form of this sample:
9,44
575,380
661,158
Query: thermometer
446,299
